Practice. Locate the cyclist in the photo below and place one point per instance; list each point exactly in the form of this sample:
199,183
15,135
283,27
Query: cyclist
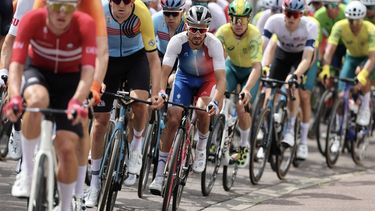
332,12
273,7
370,6
295,48
6,12
201,66
315,5
243,44
358,35
133,56
53,80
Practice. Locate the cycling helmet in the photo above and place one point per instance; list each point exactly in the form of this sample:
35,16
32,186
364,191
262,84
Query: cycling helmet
198,15
355,10
172,4
273,4
368,2
240,8
294,5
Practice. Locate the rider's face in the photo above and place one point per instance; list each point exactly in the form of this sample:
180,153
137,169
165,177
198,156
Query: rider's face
239,24
60,14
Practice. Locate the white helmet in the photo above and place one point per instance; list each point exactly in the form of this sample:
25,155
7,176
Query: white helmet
368,2
355,10
273,4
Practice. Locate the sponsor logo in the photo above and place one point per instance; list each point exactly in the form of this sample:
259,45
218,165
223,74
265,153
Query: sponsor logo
15,21
151,43
90,50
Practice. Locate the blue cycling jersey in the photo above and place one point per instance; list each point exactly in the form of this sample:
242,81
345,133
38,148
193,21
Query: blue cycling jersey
134,34
161,31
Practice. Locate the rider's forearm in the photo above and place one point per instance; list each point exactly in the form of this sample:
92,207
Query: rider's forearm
369,65
101,61
6,51
305,63
220,85
155,70
165,72
84,84
330,50
253,77
15,78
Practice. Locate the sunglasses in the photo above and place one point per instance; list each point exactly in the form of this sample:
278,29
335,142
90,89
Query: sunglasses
59,7
331,5
173,14
200,30
119,1
243,20
293,14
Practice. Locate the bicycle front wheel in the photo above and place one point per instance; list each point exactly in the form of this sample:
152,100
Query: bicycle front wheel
209,174
321,120
113,155
40,202
335,133
230,168
173,168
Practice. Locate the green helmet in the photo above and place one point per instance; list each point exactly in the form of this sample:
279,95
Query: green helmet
240,8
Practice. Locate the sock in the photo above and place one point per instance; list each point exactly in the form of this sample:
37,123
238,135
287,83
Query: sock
245,137
28,150
291,121
304,132
365,101
78,190
66,195
137,141
161,163
95,167
202,142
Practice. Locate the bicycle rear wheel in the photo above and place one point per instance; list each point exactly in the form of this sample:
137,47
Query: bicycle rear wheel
335,134
5,127
285,156
258,152
173,168
107,174
209,174
147,159
360,145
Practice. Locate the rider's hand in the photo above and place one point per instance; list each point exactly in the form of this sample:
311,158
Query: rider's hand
163,95
325,73
213,107
265,71
362,77
157,101
96,90
3,72
13,109
245,96
76,111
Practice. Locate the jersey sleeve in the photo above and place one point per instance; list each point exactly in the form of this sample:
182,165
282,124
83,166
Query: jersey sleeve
21,44
23,6
313,35
173,49
147,29
256,47
336,34
217,53
220,34
268,29
87,28
371,38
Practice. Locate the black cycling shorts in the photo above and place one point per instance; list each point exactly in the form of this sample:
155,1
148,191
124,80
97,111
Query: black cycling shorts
61,88
283,62
133,70
6,15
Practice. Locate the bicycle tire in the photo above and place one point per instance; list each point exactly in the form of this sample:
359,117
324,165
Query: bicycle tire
5,127
256,168
213,156
108,174
321,114
41,192
172,164
285,158
230,170
146,159
183,171
332,157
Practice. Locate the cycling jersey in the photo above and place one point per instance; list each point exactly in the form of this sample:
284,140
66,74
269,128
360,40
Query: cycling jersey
161,30
263,17
245,51
326,23
134,34
218,16
65,53
356,45
91,7
200,62
256,18
304,37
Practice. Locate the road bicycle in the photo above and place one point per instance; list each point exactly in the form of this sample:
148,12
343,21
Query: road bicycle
113,167
267,132
5,124
180,159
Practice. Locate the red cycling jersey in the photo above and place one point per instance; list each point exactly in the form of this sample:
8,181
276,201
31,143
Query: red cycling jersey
65,53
